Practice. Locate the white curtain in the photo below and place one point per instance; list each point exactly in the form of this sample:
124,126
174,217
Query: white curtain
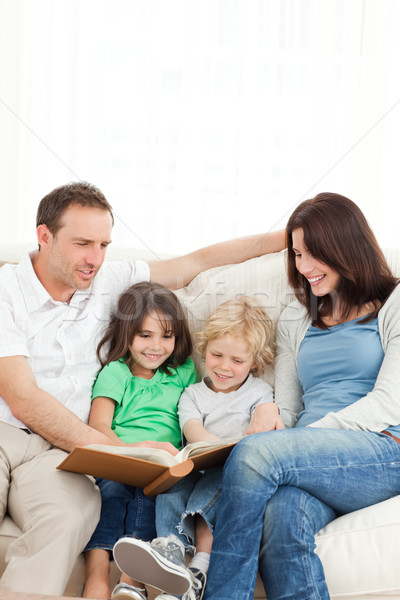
200,120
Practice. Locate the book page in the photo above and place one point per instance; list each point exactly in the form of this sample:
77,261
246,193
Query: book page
154,454
163,456
196,448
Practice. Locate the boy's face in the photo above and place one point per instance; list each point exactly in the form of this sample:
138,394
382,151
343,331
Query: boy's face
228,363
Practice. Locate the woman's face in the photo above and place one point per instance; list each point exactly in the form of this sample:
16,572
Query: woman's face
322,278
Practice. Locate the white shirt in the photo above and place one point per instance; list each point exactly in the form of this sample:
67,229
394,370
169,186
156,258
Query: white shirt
224,414
60,339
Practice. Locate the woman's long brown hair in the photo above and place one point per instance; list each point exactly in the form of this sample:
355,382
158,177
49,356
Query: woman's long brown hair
337,233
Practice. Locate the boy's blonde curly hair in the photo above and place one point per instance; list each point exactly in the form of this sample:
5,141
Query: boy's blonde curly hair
246,320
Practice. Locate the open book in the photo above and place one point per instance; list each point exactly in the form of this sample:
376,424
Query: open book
152,469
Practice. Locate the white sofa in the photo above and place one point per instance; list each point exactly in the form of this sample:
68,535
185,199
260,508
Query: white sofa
360,551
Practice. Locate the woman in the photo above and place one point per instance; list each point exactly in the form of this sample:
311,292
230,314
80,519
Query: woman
337,386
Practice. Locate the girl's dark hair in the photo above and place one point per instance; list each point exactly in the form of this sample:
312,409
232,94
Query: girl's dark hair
337,233
134,305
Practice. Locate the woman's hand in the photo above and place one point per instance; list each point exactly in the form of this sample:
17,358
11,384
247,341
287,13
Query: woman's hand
266,417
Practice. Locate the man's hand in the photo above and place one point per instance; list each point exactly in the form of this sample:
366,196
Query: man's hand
266,417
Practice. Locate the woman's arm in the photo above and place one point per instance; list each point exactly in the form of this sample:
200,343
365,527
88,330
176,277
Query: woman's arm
292,325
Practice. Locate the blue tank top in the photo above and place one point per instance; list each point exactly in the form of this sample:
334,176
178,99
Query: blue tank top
338,366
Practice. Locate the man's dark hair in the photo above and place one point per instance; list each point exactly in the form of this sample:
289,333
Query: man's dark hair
81,193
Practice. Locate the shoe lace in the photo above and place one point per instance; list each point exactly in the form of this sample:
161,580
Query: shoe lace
195,588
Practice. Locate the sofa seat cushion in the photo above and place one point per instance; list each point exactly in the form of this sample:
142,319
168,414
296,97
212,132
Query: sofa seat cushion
360,552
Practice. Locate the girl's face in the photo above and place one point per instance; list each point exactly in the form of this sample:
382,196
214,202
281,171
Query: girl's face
228,363
322,278
151,347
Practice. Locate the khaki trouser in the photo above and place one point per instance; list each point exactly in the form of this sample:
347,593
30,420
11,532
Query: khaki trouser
56,511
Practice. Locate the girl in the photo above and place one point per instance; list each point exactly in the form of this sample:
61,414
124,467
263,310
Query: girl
337,384
135,397
235,348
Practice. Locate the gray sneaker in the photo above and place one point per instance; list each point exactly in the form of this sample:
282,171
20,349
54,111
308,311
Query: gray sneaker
196,590
158,563
123,591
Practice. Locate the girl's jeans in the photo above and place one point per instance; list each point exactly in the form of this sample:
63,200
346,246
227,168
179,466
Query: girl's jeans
196,494
125,510
301,478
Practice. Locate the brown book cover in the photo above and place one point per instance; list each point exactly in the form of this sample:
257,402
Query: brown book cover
154,477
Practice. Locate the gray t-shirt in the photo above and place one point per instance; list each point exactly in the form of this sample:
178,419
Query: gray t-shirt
224,414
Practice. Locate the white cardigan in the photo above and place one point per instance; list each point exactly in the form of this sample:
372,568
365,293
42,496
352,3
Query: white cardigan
376,411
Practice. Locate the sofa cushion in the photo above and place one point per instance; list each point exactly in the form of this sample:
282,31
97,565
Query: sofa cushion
360,551
263,277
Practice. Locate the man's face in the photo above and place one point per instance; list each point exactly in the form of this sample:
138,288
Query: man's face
70,259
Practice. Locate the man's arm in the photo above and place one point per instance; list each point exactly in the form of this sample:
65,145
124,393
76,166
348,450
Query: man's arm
39,411
42,413
178,272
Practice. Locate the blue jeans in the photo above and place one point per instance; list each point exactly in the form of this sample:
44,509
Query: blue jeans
196,494
301,478
125,510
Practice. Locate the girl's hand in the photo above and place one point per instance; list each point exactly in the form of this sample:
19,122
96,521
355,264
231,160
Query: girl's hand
161,445
266,417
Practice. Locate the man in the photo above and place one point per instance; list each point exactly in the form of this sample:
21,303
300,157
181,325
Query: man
53,308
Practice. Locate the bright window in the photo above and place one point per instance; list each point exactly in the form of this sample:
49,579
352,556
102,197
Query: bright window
200,120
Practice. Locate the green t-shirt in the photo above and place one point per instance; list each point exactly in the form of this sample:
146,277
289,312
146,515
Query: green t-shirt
146,409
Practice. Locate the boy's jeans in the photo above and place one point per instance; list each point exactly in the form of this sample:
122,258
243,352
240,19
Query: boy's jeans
196,494
307,476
